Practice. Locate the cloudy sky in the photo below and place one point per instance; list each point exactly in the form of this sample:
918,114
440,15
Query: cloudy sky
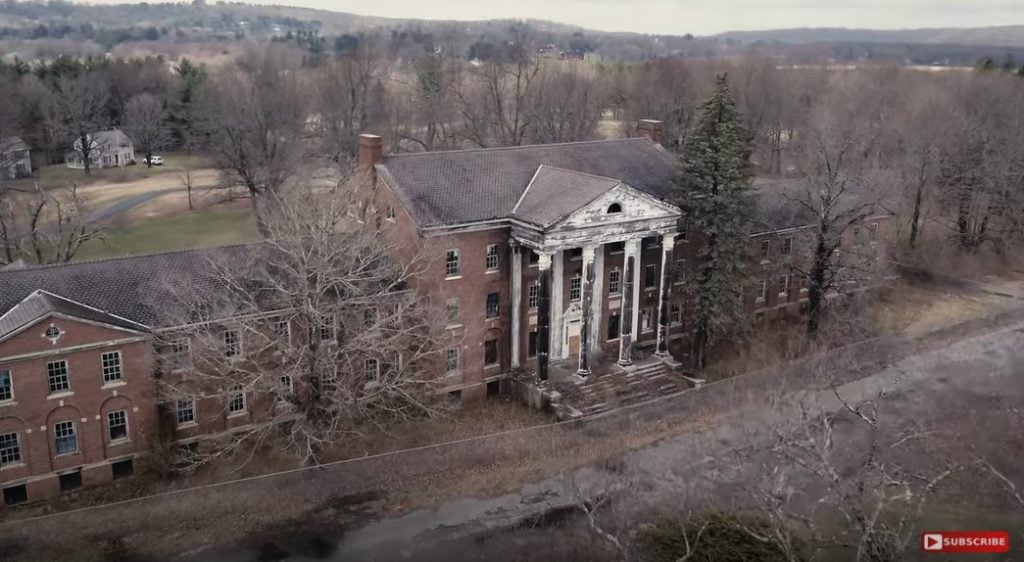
701,16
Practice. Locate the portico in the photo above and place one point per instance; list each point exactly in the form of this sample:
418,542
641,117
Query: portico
570,321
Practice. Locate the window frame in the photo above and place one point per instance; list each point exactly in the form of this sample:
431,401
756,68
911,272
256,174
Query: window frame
285,334
873,231
650,276
451,360
787,246
492,343
15,458
453,312
119,367
762,291
615,281
70,432
679,271
371,370
65,375
614,321
784,284
6,390
533,295
236,396
648,319
766,249
452,264
328,326
180,349
232,350
675,313
576,288
492,307
110,426
193,411
492,260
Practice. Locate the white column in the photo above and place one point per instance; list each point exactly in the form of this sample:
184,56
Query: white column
597,331
557,308
516,257
637,250
668,242
587,303
630,297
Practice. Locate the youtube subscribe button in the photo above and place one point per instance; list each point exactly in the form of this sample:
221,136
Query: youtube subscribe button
965,541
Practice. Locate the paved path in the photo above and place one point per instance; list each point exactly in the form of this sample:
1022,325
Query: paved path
128,204
980,367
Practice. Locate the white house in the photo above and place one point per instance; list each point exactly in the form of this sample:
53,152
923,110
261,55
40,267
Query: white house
15,161
107,149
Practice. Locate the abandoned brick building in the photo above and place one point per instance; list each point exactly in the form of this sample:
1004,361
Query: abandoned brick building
552,256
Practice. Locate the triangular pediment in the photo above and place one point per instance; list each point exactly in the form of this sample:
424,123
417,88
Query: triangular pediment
41,305
621,204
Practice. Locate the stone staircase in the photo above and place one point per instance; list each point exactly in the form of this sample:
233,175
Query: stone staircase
620,387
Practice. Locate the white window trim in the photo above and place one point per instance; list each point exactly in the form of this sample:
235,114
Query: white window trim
497,259
241,350
376,371
74,432
67,374
618,291
195,413
231,399
762,291
458,264
788,282
647,267
127,428
458,361
577,278
120,365
21,455
10,384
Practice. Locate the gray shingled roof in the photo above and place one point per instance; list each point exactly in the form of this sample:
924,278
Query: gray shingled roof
111,138
555,193
445,188
129,287
10,144
41,303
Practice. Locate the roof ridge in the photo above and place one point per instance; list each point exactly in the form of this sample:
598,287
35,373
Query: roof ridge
121,258
510,148
571,171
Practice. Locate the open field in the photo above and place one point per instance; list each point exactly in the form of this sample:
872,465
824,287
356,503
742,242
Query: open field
59,175
197,229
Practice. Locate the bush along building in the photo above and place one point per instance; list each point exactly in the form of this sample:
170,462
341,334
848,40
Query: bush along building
547,260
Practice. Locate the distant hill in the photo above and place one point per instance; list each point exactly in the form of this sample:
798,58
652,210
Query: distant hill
1007,35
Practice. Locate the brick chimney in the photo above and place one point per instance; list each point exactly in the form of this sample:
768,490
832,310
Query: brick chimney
650,128
371,151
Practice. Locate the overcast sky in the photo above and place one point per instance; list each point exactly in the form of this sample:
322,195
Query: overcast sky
700,17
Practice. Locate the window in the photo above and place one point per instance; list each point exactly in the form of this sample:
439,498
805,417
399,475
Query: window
490,353
675,313
111,367
284,383
283,332
186,411
181,355
117,425
650,276
614,325
533,295
615,282
70,481
232,343
326,331
57,375
390,213
236,401
371,370
122,469
648,320
575,288
679,272
684,230
454,315
10,449
451,359
783,284
64,438
531,344
766,246
6,386
451,263
491,259
369,317
492,305
787,246
873,231
15,495
762,289
614,208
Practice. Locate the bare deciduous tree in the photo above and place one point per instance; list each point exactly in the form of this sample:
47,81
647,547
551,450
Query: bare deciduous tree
317,327
144,122
80,106
45,226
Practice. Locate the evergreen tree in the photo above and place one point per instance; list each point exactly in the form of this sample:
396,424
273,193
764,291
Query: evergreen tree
714,190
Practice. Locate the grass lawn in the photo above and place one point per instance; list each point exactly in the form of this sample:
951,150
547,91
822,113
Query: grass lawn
59,175
192,230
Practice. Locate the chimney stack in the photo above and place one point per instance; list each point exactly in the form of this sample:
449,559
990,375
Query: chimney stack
371,151
650,128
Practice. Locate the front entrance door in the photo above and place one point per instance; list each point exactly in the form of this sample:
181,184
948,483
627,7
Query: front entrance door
572,336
